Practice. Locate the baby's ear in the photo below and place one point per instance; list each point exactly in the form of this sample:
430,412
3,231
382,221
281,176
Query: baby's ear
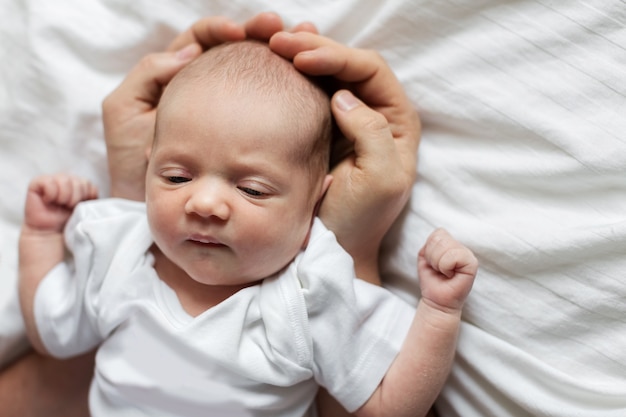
328,179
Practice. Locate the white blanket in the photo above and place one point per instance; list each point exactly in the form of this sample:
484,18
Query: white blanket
523,158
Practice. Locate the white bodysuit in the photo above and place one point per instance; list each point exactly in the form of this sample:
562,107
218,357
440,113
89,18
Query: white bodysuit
261,352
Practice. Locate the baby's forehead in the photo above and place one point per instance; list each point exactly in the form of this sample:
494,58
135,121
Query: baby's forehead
298,101
254,74
192,107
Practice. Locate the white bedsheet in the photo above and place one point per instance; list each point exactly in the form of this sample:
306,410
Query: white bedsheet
523,158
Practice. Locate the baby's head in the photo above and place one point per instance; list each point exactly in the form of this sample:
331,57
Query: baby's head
238,165
250,71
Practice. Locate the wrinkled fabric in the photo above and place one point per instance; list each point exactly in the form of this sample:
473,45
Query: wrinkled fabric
522,159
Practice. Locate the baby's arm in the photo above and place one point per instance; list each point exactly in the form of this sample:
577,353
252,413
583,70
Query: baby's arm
412,383
50,201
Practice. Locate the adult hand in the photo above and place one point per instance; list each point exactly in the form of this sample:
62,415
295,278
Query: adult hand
211,31
371,186
129,111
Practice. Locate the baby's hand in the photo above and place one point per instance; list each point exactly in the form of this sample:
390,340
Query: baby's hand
446,271
51,199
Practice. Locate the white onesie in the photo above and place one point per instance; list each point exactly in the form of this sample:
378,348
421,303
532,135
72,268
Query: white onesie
261,352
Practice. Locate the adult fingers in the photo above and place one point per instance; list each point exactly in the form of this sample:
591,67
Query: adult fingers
304,27
376,151
207,32
263,25
366,128
318,55
214,30
366,73
372,181
141,89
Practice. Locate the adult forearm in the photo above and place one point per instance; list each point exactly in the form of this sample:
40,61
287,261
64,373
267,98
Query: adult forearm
366,265
38,386
127,171
328,406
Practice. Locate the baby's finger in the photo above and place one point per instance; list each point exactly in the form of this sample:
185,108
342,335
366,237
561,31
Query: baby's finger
65,190
46,187
92,191
83,190
436,246
458,260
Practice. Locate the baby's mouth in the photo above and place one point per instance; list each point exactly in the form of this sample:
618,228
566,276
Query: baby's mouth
205,241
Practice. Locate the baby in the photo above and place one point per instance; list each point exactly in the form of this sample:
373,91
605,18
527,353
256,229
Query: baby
224,294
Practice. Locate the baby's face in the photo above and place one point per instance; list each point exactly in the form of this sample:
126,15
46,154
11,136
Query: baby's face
225,202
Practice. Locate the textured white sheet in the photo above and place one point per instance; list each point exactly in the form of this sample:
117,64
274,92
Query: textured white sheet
523,158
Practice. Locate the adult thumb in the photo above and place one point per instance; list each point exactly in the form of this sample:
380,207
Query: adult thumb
366,128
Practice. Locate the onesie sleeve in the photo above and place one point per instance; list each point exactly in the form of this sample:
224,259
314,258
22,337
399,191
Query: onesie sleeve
68,300
357,329
64,318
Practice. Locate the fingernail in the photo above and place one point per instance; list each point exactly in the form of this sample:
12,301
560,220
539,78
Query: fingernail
346,101
186,53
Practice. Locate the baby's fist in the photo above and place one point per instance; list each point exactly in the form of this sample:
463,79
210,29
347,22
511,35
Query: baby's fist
51,199
446,271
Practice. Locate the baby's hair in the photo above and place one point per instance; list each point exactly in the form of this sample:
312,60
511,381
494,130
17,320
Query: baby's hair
250,65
